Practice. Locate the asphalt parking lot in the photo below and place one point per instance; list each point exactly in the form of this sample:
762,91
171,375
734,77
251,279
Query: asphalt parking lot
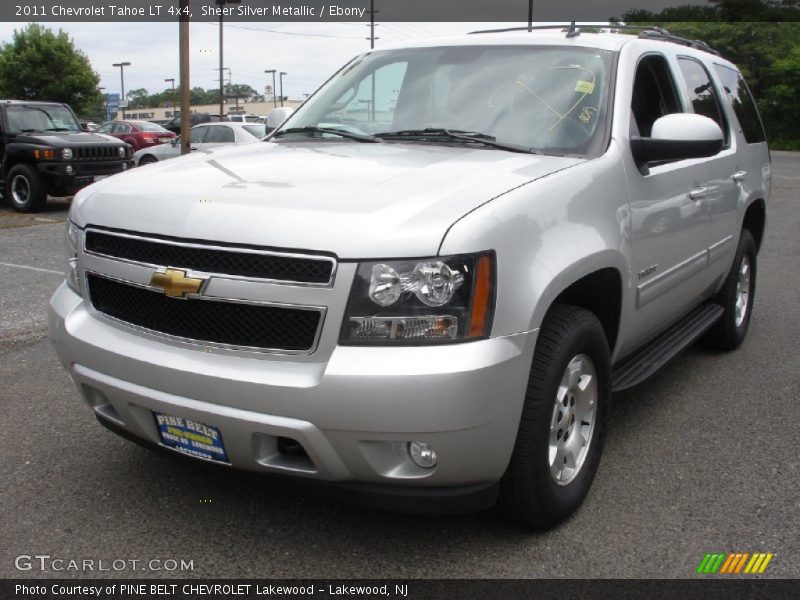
701,458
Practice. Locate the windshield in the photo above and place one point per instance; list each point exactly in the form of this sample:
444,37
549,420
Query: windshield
148,126
45,117
546,99
257,130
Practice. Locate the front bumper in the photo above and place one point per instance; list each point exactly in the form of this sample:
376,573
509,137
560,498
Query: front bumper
353,414
83,173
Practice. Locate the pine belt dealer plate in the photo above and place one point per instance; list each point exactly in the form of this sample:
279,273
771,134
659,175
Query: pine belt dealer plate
191,437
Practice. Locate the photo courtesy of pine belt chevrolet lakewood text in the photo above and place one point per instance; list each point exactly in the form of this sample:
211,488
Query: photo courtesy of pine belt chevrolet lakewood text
422,289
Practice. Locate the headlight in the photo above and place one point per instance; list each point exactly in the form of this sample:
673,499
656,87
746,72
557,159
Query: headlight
122,151
441,299
73,239
66,154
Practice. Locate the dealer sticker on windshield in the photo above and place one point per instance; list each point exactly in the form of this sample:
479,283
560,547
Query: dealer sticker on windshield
191,437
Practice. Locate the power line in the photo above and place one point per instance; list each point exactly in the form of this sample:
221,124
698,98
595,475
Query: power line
295,33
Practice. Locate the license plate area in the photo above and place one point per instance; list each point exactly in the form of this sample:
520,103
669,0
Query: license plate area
191,437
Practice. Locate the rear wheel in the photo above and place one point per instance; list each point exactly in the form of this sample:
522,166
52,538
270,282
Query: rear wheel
736,297
147,160
25,189
563,422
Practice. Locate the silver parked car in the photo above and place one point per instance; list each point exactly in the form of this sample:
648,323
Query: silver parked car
204,137
427,283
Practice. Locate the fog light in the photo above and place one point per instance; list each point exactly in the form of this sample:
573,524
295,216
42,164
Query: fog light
422,454
124,166
69,170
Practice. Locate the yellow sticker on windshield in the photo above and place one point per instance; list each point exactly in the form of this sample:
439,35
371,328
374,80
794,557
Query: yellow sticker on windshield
584,87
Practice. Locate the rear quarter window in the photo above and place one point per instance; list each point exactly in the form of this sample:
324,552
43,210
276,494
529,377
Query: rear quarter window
743,104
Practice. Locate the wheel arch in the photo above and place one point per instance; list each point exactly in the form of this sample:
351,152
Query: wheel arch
595,284
755,220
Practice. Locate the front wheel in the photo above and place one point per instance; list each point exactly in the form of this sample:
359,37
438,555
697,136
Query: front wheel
25,189
564,420
147,160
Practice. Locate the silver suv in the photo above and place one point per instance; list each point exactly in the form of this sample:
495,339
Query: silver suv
423,289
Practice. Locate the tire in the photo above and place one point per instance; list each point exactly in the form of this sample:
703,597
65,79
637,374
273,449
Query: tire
571,340
736,298
147,160
25,189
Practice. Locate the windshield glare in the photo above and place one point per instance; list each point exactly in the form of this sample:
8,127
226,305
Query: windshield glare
32,117
549,99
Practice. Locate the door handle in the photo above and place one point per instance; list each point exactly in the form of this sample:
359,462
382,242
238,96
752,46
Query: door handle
698,193
739,175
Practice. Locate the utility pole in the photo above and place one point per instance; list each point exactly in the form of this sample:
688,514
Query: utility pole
184,75
530,15
372,24
372,39
221,4
172,81
122,66
281,78
274,91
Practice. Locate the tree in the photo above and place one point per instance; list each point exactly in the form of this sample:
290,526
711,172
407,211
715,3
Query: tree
41,65
137,98
768,53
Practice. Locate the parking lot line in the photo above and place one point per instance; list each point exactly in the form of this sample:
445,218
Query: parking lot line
2,264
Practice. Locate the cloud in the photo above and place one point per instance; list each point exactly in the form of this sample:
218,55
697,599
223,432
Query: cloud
308,52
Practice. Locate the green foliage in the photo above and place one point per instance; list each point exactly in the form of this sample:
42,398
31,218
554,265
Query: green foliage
768,53
41,65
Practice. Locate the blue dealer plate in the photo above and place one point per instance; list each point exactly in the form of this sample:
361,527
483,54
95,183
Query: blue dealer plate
191,437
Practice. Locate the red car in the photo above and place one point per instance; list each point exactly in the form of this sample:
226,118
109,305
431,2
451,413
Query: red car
139,134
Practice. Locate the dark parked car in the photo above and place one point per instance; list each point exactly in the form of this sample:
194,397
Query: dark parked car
175,124
44,151
139,134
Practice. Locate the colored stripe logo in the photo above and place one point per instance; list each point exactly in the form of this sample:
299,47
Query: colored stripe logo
734,563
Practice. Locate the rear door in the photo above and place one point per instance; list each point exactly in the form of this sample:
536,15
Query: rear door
722,198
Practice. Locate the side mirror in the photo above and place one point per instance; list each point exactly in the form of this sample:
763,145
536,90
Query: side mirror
677,137
277,116
175,141
85,127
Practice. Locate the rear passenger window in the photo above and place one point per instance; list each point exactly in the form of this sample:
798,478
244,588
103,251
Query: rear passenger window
219,134
654,94
197,134
701,92
743,104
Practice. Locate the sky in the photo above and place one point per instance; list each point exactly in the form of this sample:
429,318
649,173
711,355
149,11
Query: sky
308,52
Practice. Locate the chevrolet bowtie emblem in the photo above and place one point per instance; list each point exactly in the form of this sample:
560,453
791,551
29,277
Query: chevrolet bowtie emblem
175,283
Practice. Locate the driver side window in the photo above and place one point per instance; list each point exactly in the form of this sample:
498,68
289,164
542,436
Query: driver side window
654,94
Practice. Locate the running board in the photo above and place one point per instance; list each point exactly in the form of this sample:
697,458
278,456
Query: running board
650,358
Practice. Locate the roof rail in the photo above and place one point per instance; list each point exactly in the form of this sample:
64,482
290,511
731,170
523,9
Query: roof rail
646,32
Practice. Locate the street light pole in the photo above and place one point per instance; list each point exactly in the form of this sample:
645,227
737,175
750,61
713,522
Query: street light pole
172,81
281,77
122,66
274,94
105,103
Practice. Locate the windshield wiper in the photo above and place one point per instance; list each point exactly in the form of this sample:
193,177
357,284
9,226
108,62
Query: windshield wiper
59,129
361,137
457,134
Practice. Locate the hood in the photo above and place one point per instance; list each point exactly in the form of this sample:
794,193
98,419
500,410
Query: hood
64,140
357,200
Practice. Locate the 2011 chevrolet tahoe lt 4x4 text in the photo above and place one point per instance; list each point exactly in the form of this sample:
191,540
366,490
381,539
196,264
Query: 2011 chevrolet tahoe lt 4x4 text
426,284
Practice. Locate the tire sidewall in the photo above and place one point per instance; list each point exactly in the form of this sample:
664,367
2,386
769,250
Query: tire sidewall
36,194
565,499
747,248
